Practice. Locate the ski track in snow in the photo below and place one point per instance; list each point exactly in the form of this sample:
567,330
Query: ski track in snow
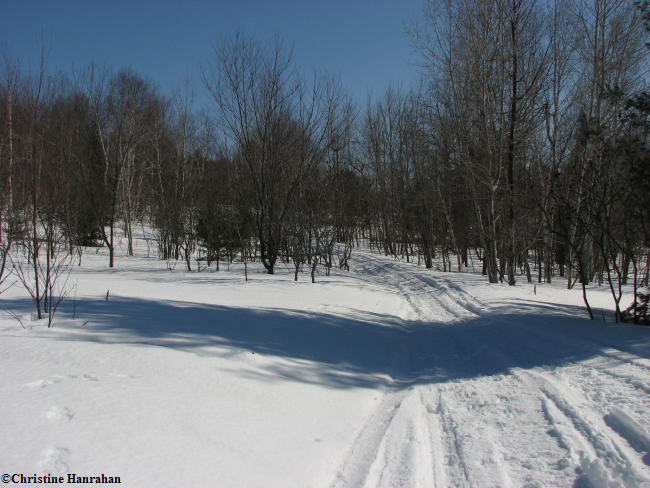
502,430
426,296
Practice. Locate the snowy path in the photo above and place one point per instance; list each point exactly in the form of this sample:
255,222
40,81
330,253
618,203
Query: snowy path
526,426
389,375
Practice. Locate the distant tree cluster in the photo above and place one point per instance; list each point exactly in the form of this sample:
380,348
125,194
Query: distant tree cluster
526,146
539,110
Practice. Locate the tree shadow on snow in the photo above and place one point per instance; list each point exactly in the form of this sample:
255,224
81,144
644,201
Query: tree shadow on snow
370,350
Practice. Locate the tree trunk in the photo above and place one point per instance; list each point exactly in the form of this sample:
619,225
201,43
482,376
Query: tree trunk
511,146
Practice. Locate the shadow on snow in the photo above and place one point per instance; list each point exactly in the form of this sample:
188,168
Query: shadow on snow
367,351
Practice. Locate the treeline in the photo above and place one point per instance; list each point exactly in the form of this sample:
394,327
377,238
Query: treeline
538,113
526,144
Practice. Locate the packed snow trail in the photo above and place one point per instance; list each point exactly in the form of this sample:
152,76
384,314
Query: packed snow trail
385,376
479,402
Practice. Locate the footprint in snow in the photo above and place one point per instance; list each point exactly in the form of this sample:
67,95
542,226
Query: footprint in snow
53,461
45,382
124,376
57,379
63,414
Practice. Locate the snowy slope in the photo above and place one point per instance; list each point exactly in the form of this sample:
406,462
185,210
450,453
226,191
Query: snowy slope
389,375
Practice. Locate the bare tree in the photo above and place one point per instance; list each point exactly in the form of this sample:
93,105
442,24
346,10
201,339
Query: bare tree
275,122
119,107
10,80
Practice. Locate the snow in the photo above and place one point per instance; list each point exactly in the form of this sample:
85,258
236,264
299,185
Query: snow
388,375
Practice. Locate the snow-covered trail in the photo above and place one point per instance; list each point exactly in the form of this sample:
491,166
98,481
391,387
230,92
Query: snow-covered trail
491,396
388,375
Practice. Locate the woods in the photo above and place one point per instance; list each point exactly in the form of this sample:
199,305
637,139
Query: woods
526,146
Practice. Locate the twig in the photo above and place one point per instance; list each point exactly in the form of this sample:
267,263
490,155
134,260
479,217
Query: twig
13,315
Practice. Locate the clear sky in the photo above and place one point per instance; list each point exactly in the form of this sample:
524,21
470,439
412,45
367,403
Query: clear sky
363,41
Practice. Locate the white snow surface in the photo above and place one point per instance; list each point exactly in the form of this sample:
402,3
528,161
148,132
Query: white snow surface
388,375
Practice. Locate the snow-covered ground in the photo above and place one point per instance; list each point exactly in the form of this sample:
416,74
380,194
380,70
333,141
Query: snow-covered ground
388,375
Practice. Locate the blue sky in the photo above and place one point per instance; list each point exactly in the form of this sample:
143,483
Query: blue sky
361,40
